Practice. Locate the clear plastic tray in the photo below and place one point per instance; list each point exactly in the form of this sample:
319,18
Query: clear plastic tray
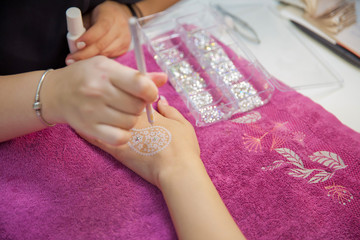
215,75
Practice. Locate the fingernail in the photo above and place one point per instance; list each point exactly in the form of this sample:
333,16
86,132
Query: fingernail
163,100
69,61
80,45
157,74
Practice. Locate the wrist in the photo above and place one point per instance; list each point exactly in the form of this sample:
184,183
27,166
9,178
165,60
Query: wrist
50,109
179,174
37,106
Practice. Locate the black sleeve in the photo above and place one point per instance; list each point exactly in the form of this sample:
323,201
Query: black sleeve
128,1
33,33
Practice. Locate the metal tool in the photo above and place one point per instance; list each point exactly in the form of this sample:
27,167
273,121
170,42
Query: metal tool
238,25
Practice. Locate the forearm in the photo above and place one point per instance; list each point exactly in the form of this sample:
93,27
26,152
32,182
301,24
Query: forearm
196,208
17,95
148,7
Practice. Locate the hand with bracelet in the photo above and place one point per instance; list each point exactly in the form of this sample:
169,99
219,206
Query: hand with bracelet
98,97
95,96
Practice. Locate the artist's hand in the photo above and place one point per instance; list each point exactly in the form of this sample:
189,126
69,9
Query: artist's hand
108,33
182,153
99,97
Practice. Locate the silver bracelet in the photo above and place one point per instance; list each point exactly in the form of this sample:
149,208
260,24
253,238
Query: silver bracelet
37,103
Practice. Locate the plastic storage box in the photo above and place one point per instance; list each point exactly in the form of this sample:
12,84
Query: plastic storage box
214,74
213,69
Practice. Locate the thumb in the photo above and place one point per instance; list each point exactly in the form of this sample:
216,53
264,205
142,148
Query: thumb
159,78
116,151
169,111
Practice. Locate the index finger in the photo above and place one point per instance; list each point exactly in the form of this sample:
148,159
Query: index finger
132,82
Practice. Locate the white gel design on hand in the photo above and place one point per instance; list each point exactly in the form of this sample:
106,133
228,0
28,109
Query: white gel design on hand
149,141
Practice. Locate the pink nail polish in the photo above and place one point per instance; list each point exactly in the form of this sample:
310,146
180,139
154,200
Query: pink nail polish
163,100
80,45
69,61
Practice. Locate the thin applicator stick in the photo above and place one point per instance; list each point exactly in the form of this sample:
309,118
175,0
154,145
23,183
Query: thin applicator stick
140,61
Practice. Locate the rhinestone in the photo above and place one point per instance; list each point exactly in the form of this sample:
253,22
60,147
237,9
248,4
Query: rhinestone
193,83
245,92
195,77
203,41
246,105
218,65
181,70
201,38
201,99
257,101
223,67
250,103
216,56
239,93
211,114
159,46
232,77
240,90
185,68
171,56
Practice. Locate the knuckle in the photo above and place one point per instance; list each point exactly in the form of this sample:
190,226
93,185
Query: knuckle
146,89
121,139
140,108
92,89
111,53
114,51
101,62
132,120
124,42
107,53
101,45
106,24
87,111
139,85
100,59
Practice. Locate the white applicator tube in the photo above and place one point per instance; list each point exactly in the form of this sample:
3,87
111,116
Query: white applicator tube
75,27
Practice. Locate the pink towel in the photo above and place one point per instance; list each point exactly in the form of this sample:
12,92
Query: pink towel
287,170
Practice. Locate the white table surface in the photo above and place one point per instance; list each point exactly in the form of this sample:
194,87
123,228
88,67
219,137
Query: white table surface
343,102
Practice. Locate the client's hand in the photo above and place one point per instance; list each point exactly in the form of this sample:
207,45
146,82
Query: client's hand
181,154
194,204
